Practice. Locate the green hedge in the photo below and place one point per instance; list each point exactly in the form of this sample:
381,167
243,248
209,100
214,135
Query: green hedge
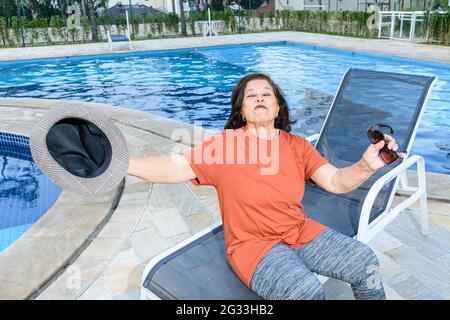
438,27
347,23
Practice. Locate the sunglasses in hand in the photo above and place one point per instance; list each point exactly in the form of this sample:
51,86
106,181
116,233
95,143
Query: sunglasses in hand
375,134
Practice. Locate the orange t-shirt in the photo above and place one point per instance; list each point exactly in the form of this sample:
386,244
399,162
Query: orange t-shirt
260,185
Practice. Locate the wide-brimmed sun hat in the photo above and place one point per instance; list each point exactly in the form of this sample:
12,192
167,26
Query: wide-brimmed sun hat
80,149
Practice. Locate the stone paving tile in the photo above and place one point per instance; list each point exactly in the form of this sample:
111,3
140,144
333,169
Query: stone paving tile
431,246
61,290
122,274
79,221
434,207
391,294
147,243
47,255
159,199
127,213
410,287
149,150
135,142
131,199
174,240
89,268
137,186
133,152
443,221
184,199
388,266
176,148
120,230
12,291
427,272
76,279
169,222
15,129
410,219
101,248
25,115
97,291
137,138
199,222
383,241
145,222
133,294
440,208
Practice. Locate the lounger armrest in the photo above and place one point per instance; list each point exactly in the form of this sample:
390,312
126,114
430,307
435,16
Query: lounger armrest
313,137
363,228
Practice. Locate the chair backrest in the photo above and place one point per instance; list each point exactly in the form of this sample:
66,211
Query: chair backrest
118,38
363,99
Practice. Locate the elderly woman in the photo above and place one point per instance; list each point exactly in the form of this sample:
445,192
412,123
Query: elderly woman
272,246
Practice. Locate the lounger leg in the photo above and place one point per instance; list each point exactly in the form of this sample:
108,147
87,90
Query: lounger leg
423,197
403,181
109,40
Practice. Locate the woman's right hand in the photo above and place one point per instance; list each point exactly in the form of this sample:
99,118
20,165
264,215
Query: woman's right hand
173,168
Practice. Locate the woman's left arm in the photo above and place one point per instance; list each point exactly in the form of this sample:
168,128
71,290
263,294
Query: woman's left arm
349,178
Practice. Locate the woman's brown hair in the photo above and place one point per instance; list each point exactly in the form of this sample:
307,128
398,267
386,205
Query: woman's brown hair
235,120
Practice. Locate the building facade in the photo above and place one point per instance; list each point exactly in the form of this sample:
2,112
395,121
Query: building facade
352,5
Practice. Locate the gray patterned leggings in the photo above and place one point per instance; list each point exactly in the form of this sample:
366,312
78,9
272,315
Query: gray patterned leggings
287,274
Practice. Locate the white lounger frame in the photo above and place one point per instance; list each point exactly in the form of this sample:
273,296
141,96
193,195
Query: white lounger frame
128,35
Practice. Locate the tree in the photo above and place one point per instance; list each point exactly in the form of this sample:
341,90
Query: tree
92,21
217,5
33,5
442,4
182,19
8,8
92,6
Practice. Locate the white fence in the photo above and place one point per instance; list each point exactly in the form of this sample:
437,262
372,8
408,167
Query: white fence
401,25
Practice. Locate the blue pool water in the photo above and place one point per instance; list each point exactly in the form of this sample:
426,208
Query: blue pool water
25,193
194,85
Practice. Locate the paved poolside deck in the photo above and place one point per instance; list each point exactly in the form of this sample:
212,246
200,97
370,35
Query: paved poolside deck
402,49
100,252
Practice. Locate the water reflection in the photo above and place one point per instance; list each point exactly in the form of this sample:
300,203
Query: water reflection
18,179
25,192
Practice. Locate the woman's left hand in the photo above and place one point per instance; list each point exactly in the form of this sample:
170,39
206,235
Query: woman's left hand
370,156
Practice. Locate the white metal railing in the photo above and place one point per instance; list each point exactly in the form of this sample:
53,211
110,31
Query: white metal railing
401,25
210,27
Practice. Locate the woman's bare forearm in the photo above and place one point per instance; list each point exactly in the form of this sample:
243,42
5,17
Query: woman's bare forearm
161,169
349,178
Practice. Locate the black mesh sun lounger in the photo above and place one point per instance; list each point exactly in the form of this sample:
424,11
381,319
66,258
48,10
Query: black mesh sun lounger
197,268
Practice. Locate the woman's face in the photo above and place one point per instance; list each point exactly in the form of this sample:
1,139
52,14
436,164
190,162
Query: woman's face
260,105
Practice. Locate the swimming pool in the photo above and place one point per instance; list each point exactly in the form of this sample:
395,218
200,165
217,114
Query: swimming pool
194,85
25,193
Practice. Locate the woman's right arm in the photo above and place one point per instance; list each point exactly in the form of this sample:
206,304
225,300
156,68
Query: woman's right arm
172,168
